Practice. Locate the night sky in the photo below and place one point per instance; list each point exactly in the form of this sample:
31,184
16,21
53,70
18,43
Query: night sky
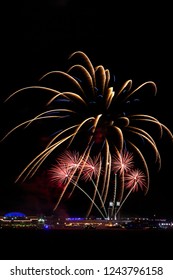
132,40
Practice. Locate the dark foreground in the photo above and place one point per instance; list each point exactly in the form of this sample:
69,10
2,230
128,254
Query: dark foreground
86,244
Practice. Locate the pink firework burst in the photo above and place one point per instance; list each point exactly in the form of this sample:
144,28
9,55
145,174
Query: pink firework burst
59,174
122,162
69,159
135,179
90,168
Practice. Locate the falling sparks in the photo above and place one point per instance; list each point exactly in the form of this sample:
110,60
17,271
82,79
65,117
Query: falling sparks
135,179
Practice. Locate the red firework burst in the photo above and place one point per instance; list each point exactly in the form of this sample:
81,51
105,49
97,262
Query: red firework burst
122,162
59,174
90,168
135,179
69,159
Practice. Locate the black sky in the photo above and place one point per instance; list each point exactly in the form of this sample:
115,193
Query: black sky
132,40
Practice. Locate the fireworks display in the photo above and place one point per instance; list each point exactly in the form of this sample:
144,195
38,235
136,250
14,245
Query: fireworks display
94,133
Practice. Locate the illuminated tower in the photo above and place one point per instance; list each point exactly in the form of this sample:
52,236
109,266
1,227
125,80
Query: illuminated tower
110,210
116,211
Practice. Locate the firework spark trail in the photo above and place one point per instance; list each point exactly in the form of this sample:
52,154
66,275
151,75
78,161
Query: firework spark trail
79,127
92,168
38,160
68,95
149,139
101,200
115,193
93,202
39,117
97,118
106,178
127,87
50,90
68,77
